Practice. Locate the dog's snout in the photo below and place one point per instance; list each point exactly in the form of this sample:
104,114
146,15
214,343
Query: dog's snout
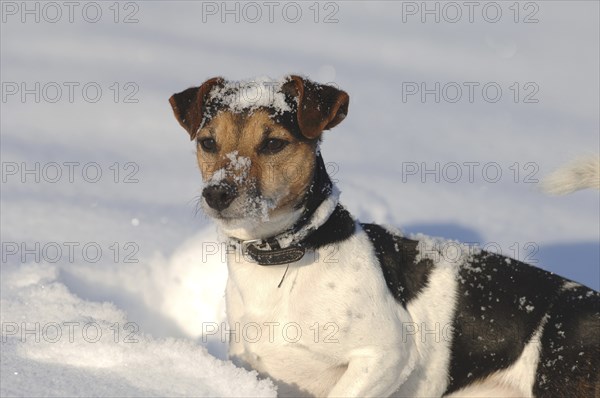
219,196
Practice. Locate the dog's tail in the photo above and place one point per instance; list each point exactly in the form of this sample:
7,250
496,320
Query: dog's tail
582,173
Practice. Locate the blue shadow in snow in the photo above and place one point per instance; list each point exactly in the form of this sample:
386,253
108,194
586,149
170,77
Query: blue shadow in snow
577,261
447,231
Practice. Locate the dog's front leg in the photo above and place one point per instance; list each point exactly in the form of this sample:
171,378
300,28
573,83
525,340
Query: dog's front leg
235,311
372,372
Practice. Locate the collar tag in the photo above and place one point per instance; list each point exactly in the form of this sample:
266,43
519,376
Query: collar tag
275,256
264,253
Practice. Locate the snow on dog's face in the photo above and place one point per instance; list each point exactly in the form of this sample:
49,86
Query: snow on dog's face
253,167
256,144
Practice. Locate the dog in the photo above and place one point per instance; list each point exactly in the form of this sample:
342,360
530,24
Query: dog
327,306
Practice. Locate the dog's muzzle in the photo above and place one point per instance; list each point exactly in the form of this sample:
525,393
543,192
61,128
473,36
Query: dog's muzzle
220,196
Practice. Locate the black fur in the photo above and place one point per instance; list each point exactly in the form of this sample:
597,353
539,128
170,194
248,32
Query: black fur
319,190
338,227
404,275
501,303
570,359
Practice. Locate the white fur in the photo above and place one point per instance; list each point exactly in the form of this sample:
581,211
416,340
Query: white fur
487,390
432,313
345,298
521,374
580,174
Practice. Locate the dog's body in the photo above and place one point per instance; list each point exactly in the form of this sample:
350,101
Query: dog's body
325,305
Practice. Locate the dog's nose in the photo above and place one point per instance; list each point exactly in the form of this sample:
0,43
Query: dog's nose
219,196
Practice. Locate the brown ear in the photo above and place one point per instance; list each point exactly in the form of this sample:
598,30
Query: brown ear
320,107
188,105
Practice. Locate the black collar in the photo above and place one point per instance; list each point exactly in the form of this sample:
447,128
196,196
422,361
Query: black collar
291,245
339,226
264,253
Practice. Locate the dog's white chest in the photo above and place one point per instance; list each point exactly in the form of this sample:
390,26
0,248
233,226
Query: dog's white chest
303,332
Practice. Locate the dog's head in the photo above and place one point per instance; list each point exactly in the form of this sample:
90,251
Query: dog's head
257,147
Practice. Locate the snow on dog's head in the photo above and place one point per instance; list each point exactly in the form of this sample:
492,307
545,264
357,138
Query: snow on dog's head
257,146
239,96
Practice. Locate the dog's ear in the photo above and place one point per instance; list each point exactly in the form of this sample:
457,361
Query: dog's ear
188,105
320,107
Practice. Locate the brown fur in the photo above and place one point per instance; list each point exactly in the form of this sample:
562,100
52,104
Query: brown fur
188,105
321,107
289,171
263,184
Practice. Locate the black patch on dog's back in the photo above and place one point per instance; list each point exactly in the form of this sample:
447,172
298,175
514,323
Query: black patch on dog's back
501,303
570,354
404,275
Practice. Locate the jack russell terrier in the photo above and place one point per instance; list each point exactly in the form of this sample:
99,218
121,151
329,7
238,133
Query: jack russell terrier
354,309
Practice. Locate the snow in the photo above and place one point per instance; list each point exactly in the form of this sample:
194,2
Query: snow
447,251
57,344
162,268
237,170
529,308
250,94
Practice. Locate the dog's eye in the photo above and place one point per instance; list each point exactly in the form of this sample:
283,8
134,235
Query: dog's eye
272,145
208,144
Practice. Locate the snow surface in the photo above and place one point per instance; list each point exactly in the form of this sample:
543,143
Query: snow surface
57,344
174,288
